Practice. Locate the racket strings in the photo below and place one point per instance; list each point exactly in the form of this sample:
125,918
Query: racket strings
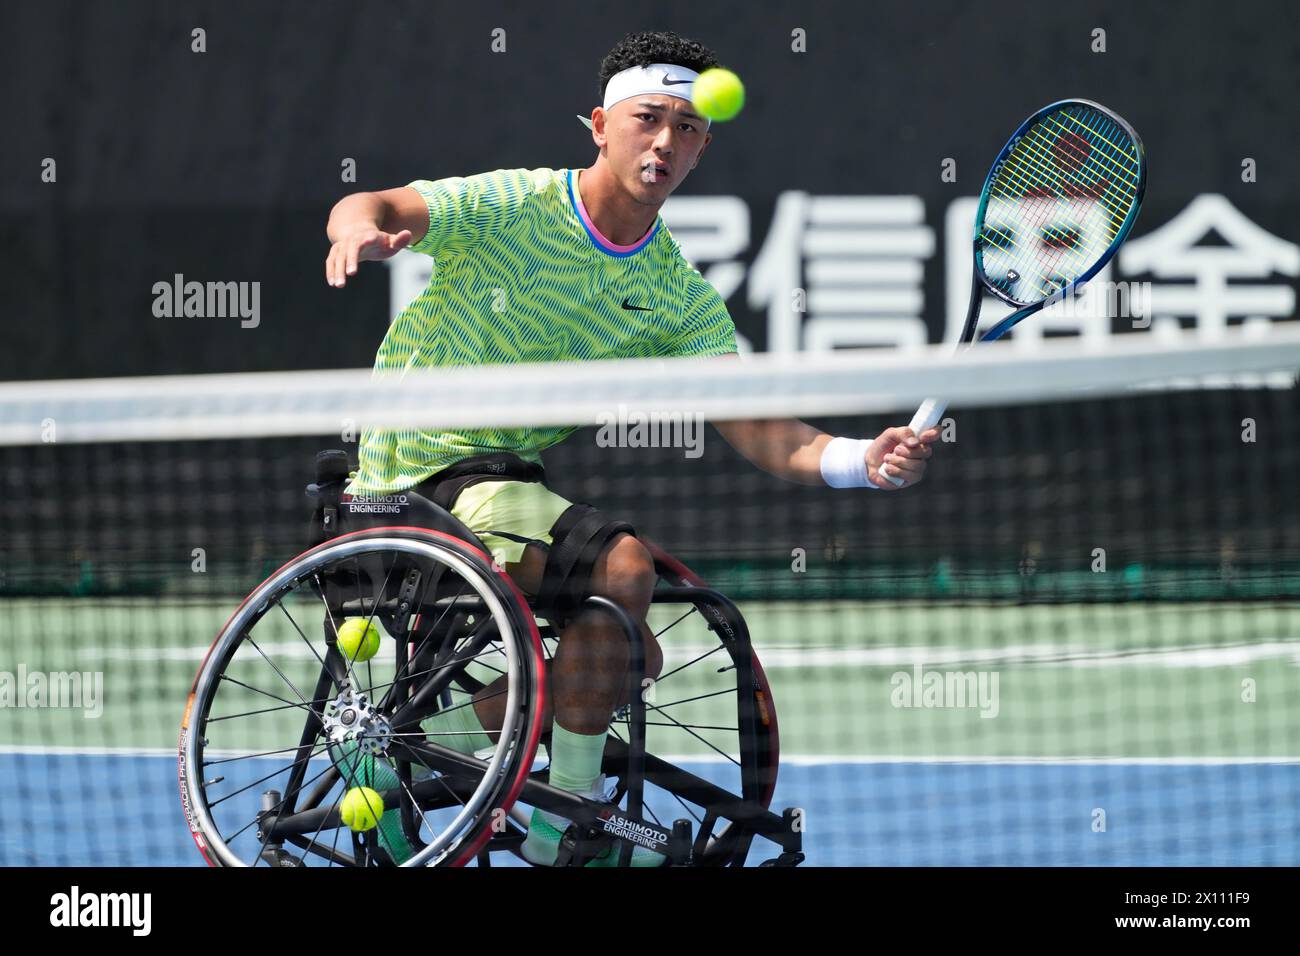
1080,166
1082,177
1051,159
1058,201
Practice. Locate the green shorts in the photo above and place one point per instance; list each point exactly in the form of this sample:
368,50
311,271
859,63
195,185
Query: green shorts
525,508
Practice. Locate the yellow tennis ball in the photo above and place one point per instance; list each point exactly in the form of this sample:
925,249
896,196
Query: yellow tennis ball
361,808
718,94
359,639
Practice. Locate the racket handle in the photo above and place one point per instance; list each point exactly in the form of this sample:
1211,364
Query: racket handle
927,416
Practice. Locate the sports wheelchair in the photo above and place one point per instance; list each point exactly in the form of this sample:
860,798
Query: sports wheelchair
276,702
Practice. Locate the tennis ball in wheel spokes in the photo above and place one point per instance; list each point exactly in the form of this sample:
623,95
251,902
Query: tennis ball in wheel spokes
361,808
358,639
718,94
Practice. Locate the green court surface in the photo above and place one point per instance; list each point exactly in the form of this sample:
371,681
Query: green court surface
1162,681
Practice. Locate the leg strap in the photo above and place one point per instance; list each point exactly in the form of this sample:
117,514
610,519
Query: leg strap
577,538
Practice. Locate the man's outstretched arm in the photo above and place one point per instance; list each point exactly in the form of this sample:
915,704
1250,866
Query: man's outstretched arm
372,226
796,451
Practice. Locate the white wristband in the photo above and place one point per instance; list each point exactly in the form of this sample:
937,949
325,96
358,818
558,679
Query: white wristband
844,463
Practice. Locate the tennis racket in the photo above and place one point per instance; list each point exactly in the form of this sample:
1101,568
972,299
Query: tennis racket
1060,199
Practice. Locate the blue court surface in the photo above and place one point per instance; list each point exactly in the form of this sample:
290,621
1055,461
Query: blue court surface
118,809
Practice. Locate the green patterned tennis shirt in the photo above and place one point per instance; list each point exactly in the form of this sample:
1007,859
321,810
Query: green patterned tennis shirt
521,274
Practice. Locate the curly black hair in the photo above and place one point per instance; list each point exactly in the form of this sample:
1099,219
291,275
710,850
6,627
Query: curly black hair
642,49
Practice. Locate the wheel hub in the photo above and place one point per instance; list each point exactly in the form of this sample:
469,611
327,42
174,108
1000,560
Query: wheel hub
351,717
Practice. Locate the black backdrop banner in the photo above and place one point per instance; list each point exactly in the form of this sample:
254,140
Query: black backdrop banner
1127,567
221,166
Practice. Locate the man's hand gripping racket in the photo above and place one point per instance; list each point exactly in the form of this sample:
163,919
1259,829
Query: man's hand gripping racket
1060,199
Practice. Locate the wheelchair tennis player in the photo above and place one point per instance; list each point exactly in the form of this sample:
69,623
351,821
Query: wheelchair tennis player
519,254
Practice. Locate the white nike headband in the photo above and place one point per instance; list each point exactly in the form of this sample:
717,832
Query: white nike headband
661,78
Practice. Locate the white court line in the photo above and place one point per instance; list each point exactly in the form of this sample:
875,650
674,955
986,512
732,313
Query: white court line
1050,655
800,760
815,761
774,657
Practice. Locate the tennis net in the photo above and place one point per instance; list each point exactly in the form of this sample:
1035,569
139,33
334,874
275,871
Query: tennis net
1074,643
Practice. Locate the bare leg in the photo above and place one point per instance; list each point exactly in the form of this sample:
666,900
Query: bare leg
588,679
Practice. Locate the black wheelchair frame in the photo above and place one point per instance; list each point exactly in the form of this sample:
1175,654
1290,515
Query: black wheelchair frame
721,836
747,815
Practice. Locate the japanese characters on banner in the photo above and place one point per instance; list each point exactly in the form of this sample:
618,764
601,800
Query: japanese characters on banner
853,271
